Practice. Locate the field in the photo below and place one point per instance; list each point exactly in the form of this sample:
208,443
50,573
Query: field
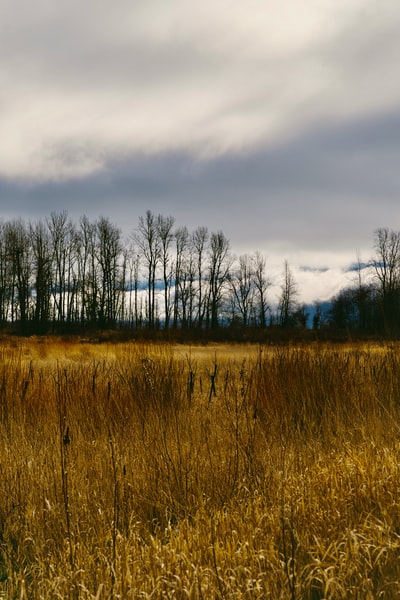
159,471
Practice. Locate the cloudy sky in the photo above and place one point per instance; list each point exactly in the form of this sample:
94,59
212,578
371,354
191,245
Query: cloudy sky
277,122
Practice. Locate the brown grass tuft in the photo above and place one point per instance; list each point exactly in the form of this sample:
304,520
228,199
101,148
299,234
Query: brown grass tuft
153,471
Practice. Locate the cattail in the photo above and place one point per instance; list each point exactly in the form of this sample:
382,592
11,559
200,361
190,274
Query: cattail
66,438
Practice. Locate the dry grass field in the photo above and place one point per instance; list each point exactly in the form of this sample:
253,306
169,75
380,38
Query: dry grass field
154,471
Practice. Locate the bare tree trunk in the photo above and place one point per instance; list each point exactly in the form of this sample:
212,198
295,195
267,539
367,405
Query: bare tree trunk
147,239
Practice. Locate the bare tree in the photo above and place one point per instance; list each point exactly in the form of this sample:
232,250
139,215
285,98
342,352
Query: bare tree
386,263
147,240
261,283
387,271
219,266
41,256
192,284
180,298
109,249
5,275
242,285
88,270
59,229
165,233
287,302
19,256
135,316
199,240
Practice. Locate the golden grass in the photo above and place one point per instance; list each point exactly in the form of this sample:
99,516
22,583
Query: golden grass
154,471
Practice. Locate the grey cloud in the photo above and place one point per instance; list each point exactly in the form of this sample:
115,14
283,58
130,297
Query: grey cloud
74,44
328,189
307,269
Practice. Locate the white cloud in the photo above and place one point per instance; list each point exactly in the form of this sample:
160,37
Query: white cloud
84,83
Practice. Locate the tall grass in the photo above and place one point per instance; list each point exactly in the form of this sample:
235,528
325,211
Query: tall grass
140,471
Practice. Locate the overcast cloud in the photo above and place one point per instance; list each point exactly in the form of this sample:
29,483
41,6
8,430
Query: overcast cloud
276,122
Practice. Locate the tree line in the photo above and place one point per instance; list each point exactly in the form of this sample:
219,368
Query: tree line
371,305
57,275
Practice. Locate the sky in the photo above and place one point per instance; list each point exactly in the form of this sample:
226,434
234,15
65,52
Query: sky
275,122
